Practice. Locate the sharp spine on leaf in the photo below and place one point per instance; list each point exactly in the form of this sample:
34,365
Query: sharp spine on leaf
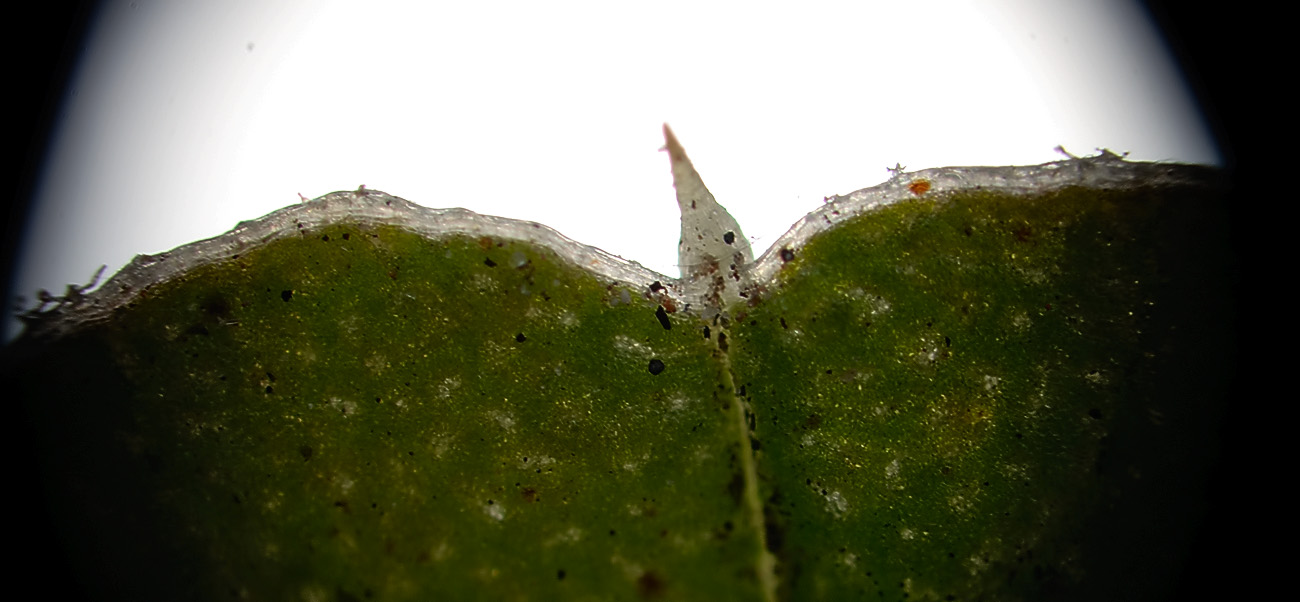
713,255
712,251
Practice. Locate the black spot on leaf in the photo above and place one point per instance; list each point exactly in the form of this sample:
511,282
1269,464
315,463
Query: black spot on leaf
663,318
773,526
656,366
787,255
217,307
650,585
489,263
286,295
519,338
1024,233
729,237
736,487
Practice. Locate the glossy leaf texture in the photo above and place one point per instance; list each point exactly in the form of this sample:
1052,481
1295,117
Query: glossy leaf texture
990,398
367,413
968,395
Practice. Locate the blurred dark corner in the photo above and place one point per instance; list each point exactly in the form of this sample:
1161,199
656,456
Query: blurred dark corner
1218,48
1215,45
42,49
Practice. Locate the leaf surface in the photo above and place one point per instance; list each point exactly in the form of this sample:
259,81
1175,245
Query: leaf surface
960,394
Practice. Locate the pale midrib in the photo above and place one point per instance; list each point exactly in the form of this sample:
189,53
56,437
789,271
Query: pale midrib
765,562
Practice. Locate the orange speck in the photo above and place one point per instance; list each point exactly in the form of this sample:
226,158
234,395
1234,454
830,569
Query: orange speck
919,187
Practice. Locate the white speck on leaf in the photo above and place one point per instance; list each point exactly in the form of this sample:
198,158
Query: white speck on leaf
836,504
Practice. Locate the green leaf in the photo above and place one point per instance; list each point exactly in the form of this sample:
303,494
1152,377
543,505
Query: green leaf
971,383
985,396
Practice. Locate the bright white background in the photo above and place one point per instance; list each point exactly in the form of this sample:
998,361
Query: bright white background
188,117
